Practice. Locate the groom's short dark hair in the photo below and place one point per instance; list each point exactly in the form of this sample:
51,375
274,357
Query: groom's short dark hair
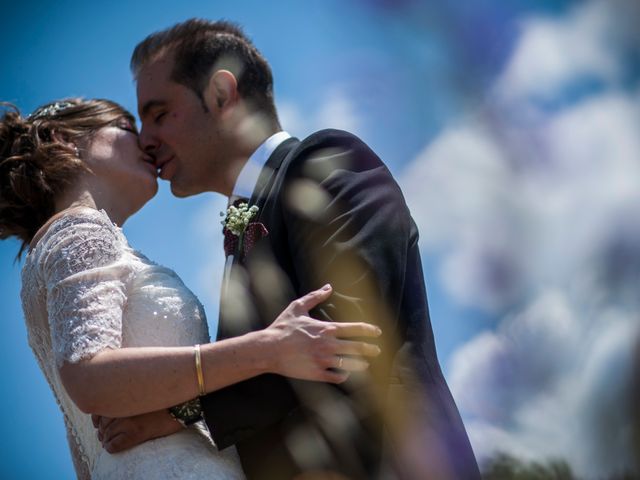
198,46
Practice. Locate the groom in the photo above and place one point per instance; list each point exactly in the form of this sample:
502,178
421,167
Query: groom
328,211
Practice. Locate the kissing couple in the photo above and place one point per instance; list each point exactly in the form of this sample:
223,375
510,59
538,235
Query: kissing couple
324,364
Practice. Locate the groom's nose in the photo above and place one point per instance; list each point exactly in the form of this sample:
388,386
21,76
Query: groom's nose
148,143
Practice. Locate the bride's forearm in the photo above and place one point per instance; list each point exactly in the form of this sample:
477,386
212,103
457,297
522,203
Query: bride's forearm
131,381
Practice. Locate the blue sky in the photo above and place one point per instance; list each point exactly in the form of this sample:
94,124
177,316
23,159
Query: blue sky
461,101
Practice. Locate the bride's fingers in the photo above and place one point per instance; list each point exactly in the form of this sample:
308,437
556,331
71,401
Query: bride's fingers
333,376
116,437
349,364
311,300
95,419
104,423
109,430
115,444
356,329
363,349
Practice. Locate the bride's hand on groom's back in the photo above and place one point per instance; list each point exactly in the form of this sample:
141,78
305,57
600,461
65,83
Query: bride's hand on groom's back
311,349
120,434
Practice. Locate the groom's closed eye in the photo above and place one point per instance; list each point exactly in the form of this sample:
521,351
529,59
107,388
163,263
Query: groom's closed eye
158,117
153,109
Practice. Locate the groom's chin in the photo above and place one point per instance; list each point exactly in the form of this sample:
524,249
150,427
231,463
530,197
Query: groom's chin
180,192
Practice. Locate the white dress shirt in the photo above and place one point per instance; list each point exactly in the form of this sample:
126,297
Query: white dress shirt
246,184
248,178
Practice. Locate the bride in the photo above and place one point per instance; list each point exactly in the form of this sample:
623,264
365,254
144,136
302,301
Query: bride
115,334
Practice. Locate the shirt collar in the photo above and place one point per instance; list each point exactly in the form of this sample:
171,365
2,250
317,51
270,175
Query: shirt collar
248,178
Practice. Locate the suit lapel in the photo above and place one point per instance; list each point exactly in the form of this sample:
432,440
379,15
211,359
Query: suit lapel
260,195
265,183
268,173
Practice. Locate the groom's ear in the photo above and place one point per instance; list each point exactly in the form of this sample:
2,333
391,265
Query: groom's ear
221,91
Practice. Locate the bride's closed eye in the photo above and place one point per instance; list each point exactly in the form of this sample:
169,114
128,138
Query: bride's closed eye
128,127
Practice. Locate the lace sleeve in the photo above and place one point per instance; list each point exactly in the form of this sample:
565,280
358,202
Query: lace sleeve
85,278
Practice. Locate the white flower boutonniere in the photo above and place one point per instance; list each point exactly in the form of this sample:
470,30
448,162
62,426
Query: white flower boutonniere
240,233
238,217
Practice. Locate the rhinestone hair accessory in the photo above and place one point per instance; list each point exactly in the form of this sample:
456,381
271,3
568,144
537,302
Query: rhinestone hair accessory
49,110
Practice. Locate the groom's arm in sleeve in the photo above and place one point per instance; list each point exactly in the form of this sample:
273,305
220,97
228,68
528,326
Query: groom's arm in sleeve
348,225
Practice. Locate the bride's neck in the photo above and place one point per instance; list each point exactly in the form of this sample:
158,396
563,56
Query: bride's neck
83,195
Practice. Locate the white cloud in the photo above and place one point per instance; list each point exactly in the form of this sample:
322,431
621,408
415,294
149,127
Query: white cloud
484,272
463,168
544,386
336,110
292,119
494,372
553,53
461,191
532,214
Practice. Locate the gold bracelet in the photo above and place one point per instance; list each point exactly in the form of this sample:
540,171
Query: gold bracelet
199,370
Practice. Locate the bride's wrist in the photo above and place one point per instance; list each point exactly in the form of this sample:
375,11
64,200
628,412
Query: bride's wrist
264,351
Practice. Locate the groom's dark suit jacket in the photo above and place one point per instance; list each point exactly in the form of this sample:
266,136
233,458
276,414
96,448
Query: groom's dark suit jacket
335,214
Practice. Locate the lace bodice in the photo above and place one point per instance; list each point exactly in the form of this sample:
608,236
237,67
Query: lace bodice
85,289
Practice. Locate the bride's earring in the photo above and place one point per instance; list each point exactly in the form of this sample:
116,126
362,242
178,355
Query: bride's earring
61,138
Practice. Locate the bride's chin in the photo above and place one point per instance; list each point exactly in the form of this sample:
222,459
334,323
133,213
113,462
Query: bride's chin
138,205
151,192
153,189
145,194
150,186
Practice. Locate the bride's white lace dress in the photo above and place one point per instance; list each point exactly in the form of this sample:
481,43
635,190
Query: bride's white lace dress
84,289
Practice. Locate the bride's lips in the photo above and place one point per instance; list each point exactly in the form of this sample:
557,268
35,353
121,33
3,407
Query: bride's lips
150,164
151,167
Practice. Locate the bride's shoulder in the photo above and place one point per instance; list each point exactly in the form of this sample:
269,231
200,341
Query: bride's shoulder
78,222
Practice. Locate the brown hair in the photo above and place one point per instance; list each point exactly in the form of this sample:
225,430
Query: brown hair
36,166
200,45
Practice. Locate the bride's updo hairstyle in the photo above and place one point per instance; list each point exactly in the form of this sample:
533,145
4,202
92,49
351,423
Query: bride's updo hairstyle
39,158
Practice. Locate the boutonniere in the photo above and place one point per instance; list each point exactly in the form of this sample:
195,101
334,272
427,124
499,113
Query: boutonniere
240,233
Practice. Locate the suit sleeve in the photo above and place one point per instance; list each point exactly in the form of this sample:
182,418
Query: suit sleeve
348,225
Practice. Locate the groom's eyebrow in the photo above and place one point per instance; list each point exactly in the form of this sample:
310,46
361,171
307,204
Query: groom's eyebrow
150,105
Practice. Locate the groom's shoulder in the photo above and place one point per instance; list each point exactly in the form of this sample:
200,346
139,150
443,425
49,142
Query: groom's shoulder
335,146
330,138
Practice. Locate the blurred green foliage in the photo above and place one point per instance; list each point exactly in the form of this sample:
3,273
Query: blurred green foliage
506,467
